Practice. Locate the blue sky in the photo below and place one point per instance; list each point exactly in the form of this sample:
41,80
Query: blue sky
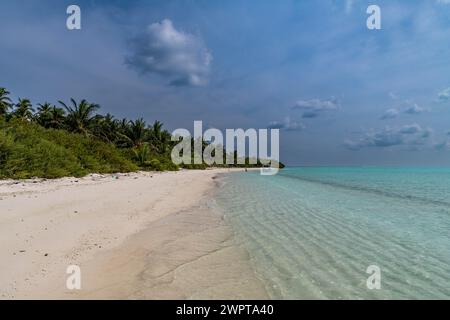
341,94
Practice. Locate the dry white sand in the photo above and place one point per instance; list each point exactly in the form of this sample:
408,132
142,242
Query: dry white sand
134,236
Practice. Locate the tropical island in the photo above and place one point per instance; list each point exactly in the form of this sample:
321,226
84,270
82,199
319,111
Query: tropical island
73,139
109,189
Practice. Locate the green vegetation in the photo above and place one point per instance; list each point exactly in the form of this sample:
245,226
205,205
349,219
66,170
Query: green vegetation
74,140
28,150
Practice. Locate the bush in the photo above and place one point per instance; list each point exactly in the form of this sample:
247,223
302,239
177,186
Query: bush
28,150
161,163
141,155
6,146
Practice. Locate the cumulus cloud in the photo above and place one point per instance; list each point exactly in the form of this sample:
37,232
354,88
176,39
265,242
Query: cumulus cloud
442,145
411,129
390,114
180,57
426,133
444,95
385,138
287,124
408,108
314,107
410,135
415,109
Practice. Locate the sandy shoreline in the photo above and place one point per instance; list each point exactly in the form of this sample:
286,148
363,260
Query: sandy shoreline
134,236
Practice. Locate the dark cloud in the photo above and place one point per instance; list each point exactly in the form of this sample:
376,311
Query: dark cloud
310,114
179,56
385,138
442,145
427,133
411,135
390,114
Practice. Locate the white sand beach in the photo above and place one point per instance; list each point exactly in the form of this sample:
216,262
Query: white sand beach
134,236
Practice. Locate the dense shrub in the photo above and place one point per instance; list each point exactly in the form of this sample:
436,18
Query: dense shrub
28,150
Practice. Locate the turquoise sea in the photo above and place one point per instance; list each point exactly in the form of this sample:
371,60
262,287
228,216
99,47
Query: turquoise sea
313,232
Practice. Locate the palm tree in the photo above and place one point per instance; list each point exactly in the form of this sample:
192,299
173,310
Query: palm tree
124,125
44,108
137,132
5,101
57,118
142,154
43,114
122,128
156,129
160,138
79,116
166,140
24,110
105,127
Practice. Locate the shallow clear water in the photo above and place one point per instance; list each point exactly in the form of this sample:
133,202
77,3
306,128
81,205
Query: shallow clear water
312,232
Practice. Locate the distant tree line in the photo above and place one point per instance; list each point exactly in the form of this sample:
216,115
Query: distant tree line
147,146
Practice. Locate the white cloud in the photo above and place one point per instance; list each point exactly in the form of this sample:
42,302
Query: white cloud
179,56
444,95
312,108
415,109
287,124
393,96
411,109
411,129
